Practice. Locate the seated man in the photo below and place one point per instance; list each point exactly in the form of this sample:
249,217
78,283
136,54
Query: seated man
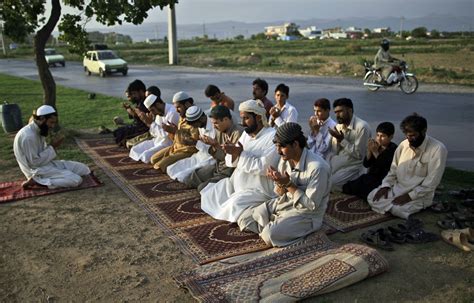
416,171
259,92
185,136
319,140
217,97
184,167
136,95
164,114
283,111
302,183
36,157
378,160
227,132
251,157
349,144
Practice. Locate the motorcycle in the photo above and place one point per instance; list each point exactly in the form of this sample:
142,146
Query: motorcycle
399,77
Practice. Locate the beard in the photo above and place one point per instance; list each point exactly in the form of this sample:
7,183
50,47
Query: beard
250,129
417,142
44,130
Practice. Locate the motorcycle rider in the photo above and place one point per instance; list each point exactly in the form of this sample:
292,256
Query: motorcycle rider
384,60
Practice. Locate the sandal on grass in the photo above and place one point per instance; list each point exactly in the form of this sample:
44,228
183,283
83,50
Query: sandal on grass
421,236
395,236
408,226
451,224
441,207
461,216
458,239
377,239
469,232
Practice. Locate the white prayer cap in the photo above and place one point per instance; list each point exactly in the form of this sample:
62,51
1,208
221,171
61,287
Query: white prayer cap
256,107
150,100
44,110
180,96
193,113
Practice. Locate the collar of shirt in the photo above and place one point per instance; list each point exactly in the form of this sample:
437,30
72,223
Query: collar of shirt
301,163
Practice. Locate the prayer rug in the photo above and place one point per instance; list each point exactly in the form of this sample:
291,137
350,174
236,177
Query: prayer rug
309,268
12,191
345,213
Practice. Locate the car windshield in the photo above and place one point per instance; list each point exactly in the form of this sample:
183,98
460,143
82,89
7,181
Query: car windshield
50,52
107,55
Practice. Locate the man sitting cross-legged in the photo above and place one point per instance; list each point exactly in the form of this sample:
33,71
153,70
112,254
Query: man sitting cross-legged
251,156
302,183
227,132
185,136
184,167
164,114
378,159
416,171
36,157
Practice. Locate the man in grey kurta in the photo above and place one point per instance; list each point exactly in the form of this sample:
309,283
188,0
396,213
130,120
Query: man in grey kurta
36,158
302,182
383,59
226,132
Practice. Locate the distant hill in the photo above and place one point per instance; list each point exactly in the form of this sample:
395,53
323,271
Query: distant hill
231,29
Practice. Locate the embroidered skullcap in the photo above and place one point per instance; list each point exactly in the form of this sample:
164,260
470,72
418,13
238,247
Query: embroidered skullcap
44,110
149,101
193,113
180,97
288,133
256,107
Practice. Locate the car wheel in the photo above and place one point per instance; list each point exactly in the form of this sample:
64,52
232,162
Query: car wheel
87,71
124,72
101,73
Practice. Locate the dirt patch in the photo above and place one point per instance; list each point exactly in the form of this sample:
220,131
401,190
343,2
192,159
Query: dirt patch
97,245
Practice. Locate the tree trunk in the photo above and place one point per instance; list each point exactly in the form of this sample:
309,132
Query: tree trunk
41,37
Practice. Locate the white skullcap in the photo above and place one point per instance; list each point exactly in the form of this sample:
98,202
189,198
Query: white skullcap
180,96
256,107
193,113
149,101
44,110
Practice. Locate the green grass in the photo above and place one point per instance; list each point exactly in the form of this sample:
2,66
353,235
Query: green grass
76,112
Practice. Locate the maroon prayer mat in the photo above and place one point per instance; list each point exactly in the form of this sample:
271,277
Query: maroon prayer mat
12,191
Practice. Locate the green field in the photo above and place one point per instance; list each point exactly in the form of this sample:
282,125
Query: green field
435,61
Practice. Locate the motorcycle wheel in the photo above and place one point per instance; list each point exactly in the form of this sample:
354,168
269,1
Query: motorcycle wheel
372,78
409,85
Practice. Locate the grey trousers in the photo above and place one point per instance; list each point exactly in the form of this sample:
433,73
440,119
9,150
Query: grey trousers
205,175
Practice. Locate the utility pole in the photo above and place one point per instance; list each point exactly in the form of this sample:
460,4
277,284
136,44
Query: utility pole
2,39
401,27
172,37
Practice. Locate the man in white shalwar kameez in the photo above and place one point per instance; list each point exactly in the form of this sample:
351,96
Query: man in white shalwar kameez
417,168
185,167
164,114
36,158
302,182
349,144
251,156
283,111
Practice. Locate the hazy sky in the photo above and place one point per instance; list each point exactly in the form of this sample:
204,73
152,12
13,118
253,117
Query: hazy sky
209,11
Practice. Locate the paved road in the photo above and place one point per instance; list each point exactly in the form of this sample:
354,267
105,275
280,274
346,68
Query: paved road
450,114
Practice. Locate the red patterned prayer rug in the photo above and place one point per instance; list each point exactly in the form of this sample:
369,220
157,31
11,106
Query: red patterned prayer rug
12,191
345,213
308,268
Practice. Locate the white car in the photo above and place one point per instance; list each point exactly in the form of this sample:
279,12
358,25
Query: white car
52,57
104,62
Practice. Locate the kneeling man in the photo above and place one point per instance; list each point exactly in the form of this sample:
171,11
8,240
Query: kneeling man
302,183
36,157
417,168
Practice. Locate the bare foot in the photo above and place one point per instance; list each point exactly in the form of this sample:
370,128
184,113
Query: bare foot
31,184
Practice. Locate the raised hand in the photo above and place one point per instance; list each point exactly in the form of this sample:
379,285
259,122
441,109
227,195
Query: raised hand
339,135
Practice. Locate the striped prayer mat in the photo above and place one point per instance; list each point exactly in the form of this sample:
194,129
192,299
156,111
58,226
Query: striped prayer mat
12,191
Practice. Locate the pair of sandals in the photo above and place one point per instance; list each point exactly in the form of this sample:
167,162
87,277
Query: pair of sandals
461,219
409,232
461,238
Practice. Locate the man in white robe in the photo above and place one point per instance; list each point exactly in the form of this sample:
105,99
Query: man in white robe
302,183
319,140
36,158
349,144
283,111
251,156
164,114
417,168
185,167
